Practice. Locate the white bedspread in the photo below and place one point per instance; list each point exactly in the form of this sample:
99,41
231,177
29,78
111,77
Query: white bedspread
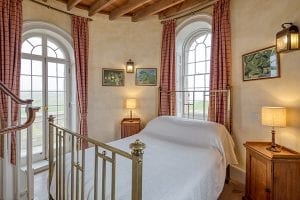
183,160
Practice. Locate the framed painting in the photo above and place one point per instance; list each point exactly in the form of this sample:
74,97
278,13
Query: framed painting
113,77
146,76
261,64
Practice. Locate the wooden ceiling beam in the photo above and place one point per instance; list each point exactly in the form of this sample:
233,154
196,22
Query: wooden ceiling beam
155,8
72,3
185,7
126,8
99,5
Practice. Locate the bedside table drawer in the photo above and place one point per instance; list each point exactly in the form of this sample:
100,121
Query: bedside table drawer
130,127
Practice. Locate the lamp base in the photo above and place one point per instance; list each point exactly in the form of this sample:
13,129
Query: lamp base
273,148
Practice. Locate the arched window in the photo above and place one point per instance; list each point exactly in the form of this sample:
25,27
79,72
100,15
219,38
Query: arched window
45,78
193,68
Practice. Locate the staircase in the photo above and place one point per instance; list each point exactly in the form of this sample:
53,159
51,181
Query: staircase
14,182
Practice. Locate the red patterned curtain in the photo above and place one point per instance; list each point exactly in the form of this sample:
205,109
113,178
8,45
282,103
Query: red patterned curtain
220,71
10,62
80,32
167,69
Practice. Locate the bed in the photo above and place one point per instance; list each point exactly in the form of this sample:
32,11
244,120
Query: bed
184,160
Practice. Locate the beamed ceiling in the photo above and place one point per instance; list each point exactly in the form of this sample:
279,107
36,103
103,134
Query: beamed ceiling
137,9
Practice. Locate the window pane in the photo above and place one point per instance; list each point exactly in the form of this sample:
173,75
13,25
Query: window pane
26,47
52,69
52,85
200,67
208,50
61,122
61,84
190,83
191,56
52,45
61,70
208,40
37,137
193,46
37,83
207,79
191,69
37,67
35,41
52,110
201,39
37,51
25,95
199,81
26,67
208,67
25,83
61,110
51,52
37,98
52,98
200,52
61,98
60,54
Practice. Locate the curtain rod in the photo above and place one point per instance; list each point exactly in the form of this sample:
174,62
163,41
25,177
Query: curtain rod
207,5
56,9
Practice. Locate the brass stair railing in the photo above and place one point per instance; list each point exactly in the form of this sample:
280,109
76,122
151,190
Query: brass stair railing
4,132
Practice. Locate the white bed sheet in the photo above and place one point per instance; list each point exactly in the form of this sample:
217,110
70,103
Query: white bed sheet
183,160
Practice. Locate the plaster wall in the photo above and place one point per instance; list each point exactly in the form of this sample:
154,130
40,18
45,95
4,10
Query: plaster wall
254,26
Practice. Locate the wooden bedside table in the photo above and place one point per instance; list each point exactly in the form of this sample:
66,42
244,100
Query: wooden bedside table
130,127
271,175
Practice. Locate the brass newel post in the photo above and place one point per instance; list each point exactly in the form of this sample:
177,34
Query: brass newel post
51,159
137,167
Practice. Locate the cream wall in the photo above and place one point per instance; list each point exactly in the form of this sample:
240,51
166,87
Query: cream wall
112,43
254,26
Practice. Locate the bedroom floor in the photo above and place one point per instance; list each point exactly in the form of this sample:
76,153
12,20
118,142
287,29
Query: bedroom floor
232,191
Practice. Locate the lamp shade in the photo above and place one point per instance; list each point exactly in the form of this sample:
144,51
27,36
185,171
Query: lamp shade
130,103
273,116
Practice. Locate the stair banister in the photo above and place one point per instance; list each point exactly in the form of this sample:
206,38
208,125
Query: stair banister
31,114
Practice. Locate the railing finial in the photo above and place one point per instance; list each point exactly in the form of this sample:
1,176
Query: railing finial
51,118
137,147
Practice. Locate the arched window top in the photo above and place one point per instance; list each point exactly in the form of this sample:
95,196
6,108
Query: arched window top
43,45
204,39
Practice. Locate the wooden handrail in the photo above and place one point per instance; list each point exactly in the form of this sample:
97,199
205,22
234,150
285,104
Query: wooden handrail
13,96
31,117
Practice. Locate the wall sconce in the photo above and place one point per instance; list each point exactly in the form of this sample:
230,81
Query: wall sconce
288,38
273,117
130,66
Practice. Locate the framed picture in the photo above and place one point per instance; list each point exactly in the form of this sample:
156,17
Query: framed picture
146,76
261,64
113,77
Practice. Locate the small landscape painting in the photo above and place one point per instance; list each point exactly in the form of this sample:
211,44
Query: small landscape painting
146,76
113,77
261,64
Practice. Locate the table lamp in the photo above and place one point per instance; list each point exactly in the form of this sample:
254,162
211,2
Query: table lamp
130,104
273,117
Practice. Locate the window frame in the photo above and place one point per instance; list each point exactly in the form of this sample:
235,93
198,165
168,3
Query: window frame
183,65
68,84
